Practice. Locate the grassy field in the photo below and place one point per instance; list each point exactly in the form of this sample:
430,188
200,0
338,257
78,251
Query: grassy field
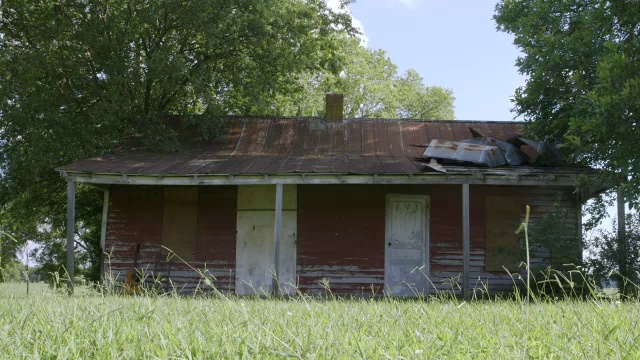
46,324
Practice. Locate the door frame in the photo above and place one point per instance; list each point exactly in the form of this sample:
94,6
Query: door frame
426,256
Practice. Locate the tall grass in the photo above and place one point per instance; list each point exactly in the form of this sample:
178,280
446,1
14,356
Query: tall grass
152,323
553,314
48,324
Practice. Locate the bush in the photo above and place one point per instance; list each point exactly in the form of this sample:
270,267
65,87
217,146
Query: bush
605,256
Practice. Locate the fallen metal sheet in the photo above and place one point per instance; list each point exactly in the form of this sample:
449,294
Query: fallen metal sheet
433,164
512,154
459,151
547,153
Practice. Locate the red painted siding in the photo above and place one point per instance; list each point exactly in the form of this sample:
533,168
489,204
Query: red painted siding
341,234
216,241
135,218
340,238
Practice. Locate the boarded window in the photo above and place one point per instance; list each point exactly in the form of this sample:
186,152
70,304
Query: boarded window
180,220
502,214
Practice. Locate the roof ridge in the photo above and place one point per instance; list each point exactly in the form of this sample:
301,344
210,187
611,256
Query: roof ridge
275,117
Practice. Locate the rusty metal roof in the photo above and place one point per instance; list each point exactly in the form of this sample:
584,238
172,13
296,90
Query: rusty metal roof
261,145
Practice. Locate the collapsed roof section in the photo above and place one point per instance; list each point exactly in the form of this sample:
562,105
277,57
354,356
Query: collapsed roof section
490,152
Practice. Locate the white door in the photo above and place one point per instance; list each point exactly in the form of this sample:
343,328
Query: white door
254,240
406,245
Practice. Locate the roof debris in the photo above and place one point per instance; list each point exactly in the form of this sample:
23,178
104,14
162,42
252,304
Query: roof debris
433,164
463,152
547,153
489,151
512,154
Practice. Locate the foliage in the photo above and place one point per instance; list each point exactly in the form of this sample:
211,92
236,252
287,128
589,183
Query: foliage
550,233
605,252
8,249
582,60
13,271
80,78
372,88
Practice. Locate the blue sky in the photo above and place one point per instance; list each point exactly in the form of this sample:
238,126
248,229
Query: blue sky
453,44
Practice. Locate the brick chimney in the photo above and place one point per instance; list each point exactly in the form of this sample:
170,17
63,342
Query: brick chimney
334,110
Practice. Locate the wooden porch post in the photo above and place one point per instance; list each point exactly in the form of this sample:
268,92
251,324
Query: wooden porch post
103,230
105,213
277,230
622,236
465,242
71,222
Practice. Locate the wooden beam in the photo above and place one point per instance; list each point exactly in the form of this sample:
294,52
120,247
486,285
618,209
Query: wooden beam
277,230
533,179
71,223
466,290
579,220
105,213
622,235
103,230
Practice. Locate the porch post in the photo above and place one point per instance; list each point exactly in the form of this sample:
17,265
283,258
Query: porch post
71,221
579,217
105,213
103,230
277,230
465,242
622,236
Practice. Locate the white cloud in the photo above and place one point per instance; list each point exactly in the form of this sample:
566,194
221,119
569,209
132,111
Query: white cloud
406,3
410,3
335,6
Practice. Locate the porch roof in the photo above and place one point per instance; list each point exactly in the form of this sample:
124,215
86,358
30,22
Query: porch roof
263,150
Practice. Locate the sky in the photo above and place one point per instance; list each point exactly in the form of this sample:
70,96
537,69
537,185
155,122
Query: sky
453,44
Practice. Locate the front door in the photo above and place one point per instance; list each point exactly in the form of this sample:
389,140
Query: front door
406,243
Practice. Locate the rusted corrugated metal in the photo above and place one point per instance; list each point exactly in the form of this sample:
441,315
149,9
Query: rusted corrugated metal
341,234
135,218
302,145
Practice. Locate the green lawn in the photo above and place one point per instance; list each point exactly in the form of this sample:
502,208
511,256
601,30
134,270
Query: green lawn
52,325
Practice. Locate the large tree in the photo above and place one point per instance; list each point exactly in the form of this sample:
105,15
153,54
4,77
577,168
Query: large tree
372,87
582,60
79,77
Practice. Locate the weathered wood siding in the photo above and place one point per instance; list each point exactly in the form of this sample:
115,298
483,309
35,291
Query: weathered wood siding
341,234
136,218
341,239
255,246
446,236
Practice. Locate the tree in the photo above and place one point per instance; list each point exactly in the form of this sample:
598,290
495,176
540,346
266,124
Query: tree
79,78
604,256
582,59
372,88
13,271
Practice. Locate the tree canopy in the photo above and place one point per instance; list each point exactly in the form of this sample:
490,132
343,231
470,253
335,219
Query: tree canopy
582,60
80,78
373,88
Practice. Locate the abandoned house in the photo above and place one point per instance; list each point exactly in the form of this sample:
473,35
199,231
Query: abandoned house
351,206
